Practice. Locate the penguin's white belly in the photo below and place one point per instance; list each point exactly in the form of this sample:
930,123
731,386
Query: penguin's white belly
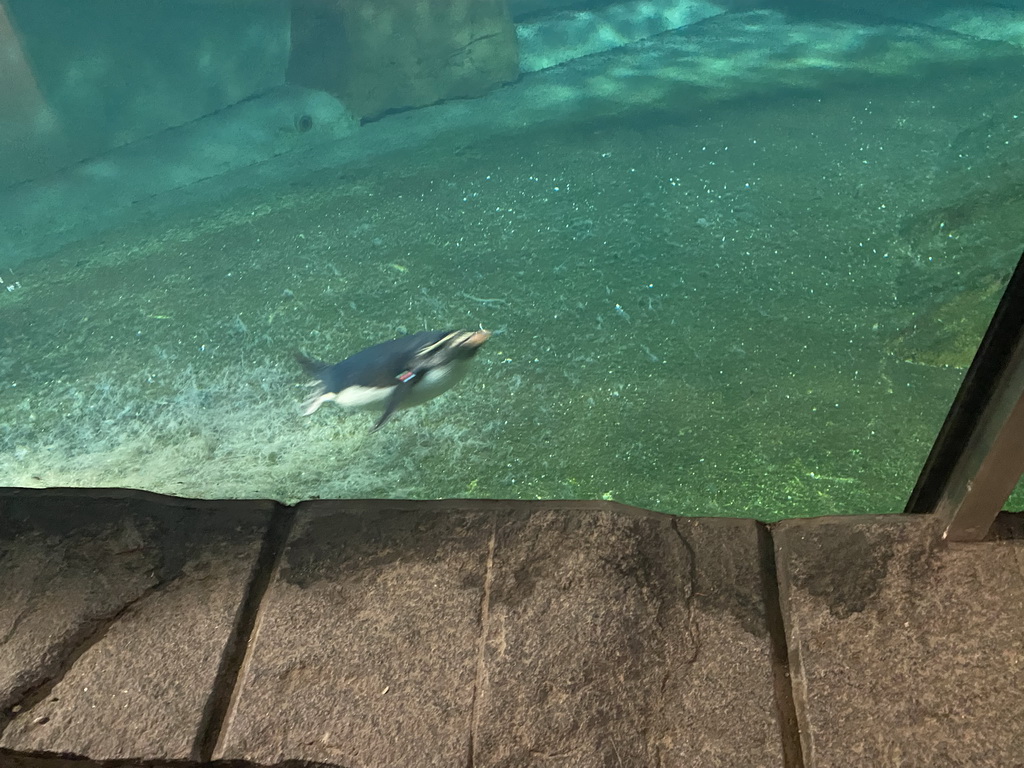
434,382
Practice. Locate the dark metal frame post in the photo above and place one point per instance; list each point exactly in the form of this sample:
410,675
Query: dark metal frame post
978,457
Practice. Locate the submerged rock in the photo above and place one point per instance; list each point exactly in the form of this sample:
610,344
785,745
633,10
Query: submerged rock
947,335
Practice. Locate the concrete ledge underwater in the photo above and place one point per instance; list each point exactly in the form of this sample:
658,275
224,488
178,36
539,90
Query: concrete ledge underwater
139,629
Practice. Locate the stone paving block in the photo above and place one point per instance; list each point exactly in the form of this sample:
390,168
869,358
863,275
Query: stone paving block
118,610
365,647
620,637
508,634
904,652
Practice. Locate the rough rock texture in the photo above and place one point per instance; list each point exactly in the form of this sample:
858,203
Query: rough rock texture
620,638
118,610
903,652
508,634
365,647
138,630
381,55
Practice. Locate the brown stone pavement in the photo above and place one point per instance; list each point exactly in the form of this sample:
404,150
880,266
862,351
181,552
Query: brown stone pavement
144,630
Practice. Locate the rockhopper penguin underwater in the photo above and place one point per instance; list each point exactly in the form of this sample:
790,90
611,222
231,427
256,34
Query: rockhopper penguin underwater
395,374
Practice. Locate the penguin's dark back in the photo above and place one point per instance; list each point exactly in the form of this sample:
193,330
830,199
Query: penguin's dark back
379,365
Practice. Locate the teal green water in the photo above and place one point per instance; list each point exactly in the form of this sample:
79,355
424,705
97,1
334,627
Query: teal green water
756,306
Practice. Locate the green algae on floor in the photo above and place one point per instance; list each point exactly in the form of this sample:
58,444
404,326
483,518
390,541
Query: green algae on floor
694,311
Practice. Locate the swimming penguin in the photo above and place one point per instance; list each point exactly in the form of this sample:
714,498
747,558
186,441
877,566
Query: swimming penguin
395,374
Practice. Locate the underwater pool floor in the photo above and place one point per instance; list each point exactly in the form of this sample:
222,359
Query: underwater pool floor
757,306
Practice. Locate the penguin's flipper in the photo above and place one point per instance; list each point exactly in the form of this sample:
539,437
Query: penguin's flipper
402,388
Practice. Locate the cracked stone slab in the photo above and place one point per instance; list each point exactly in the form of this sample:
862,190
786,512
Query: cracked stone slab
903,651
118,609
509,633
364,651
622,637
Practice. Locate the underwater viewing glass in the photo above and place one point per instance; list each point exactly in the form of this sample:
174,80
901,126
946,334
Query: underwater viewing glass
732,262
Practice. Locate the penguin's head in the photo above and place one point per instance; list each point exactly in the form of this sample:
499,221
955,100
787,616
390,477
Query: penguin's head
453,346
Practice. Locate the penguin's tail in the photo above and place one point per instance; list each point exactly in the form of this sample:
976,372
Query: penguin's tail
313,368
